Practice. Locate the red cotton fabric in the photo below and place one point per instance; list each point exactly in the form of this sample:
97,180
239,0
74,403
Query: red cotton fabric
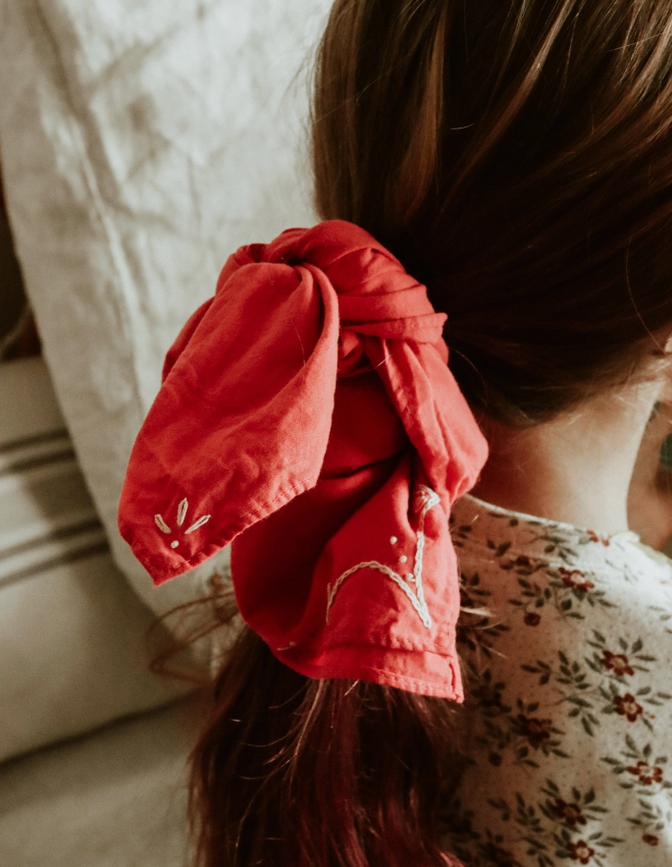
308,415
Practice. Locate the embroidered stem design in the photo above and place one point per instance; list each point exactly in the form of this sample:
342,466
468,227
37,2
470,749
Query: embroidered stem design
425,500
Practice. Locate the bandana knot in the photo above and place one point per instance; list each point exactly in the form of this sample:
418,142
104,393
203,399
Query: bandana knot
309,417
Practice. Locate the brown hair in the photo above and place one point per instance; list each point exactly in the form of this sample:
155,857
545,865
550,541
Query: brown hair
517,156
293,772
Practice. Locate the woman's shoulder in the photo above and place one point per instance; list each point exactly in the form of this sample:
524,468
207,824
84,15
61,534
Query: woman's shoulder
566,651
500,540
533,583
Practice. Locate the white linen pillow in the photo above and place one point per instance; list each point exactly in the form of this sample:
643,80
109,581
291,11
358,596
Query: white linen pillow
141,143
73,636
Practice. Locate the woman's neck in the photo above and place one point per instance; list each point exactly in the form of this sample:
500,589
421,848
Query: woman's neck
576,468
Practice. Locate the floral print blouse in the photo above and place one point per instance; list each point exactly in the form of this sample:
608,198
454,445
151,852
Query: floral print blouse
567,660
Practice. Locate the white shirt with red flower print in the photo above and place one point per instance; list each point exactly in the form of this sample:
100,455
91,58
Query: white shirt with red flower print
567,659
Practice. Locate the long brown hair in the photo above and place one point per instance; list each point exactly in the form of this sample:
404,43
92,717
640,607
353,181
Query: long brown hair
300,772
517,156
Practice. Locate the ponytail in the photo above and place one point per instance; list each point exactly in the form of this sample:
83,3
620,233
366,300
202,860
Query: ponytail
294,772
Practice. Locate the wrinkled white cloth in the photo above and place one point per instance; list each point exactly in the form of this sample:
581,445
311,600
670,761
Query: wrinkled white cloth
141,143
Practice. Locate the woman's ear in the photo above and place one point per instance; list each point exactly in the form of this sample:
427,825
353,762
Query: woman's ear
666,376
650,494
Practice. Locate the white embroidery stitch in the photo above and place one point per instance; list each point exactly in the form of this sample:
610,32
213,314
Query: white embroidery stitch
161,524
425,500
290,646
182,510
198,524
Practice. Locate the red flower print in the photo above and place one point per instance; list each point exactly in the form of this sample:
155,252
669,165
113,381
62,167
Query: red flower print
569,578
581,851
617,662
532,619
651,839
570,813
595,537
627,706
535,730
646,774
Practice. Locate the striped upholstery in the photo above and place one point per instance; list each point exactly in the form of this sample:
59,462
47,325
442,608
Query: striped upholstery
73,650
49,518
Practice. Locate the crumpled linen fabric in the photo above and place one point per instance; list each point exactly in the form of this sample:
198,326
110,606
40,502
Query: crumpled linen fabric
115,117
308,416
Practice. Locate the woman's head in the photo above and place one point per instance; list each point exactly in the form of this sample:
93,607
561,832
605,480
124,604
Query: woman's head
517,156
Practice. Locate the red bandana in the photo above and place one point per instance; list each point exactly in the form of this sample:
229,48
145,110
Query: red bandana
308,414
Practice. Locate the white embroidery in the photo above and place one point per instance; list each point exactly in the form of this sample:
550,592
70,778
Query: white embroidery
161,524
198,524
425,500
182,510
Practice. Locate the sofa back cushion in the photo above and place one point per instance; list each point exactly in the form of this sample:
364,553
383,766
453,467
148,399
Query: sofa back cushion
74,649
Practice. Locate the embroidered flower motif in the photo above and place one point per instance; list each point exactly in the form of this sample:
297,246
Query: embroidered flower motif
569,578
570,813
617,662
535,730
532,619
651,839
425,499
182,510
647,774
626,705
580,851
